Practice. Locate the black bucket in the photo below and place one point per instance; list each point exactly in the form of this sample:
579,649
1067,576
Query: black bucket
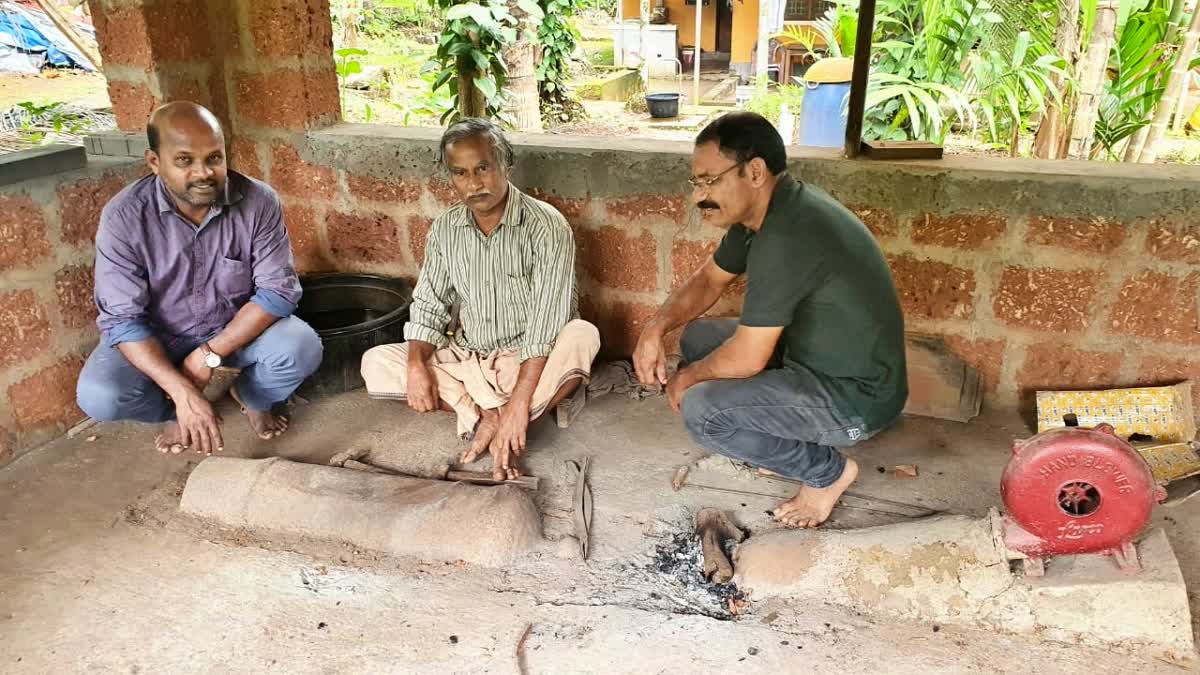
351,313
663,105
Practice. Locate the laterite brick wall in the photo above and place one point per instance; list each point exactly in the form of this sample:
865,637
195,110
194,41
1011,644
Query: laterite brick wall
47,315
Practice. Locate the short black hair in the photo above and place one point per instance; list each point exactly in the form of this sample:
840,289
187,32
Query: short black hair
502,150
745,136
152,135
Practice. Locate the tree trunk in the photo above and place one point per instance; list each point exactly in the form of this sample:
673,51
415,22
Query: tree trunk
1136,142
1091,79
523,104
350,25
471,102
1066,42
1181,111
1175,86
1175,18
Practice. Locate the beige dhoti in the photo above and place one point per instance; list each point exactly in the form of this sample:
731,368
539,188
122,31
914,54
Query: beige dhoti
468,381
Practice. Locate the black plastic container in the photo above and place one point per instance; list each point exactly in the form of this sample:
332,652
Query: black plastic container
663,106
351,313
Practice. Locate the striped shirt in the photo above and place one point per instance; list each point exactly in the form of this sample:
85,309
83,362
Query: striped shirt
516,289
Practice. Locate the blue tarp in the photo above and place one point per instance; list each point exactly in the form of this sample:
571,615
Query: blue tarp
32,33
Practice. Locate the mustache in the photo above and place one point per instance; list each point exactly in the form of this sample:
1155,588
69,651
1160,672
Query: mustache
479,195
707,204
203,184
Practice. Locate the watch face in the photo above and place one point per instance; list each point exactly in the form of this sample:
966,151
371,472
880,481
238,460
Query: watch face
212,360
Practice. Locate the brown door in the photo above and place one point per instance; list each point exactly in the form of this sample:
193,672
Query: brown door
724,26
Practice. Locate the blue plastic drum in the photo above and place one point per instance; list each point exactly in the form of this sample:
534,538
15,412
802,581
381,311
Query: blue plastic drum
822,121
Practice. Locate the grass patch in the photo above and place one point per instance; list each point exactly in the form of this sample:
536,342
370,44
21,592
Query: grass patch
599,52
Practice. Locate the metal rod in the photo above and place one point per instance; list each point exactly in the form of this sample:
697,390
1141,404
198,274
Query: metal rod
858,81
852,493
926,512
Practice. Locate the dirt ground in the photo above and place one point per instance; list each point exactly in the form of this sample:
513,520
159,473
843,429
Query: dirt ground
69,86
98,573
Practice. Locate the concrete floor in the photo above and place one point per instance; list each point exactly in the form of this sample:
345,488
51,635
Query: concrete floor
96,574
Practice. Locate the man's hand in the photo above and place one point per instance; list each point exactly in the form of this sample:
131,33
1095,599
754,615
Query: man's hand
509,442
422,387
649,358
194,369
199,425
678,386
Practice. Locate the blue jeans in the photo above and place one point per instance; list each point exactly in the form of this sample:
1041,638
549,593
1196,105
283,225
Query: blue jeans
784,419
273,366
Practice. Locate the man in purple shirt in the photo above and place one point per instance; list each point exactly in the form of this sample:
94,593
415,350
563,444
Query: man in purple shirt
194,271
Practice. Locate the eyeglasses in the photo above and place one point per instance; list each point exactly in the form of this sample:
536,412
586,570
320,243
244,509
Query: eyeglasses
698,183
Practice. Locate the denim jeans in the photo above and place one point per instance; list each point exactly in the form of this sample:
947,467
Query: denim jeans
784,419
273,366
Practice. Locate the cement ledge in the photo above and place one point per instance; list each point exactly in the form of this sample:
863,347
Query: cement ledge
586,145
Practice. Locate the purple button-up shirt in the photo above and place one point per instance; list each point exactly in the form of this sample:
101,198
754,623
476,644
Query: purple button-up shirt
158,275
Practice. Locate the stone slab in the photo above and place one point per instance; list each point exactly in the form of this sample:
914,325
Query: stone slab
949,570
116,144
411,517
46,160
1082,596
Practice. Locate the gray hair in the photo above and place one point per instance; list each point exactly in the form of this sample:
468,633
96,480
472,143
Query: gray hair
502,150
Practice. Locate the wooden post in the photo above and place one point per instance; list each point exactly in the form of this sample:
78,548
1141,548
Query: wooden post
762,53
859,78
643,38
67,29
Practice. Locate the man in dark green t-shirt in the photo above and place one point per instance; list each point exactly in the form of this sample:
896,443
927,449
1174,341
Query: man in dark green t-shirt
816,361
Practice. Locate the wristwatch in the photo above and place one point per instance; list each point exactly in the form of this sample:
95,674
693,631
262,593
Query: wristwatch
211,358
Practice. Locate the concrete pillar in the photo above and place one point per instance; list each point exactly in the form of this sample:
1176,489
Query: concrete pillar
264,64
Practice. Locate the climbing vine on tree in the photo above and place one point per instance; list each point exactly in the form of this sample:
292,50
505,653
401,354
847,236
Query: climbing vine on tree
469,55
559,40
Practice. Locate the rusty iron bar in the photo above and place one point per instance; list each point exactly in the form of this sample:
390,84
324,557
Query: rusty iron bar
859,77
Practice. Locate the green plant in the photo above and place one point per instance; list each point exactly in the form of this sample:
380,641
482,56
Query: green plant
768,101
931,73
1137,64
921,47
433,102
50,117
1009,89
469,53
605,56
391,14
608,7
559,39
346,61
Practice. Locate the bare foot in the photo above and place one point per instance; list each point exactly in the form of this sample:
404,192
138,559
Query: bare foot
489,424
265,424
812,506
170,440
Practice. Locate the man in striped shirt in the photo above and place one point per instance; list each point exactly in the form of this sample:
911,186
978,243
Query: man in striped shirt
508,261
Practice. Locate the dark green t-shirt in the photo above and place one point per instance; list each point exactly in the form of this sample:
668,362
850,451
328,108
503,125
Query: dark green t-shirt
815,269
